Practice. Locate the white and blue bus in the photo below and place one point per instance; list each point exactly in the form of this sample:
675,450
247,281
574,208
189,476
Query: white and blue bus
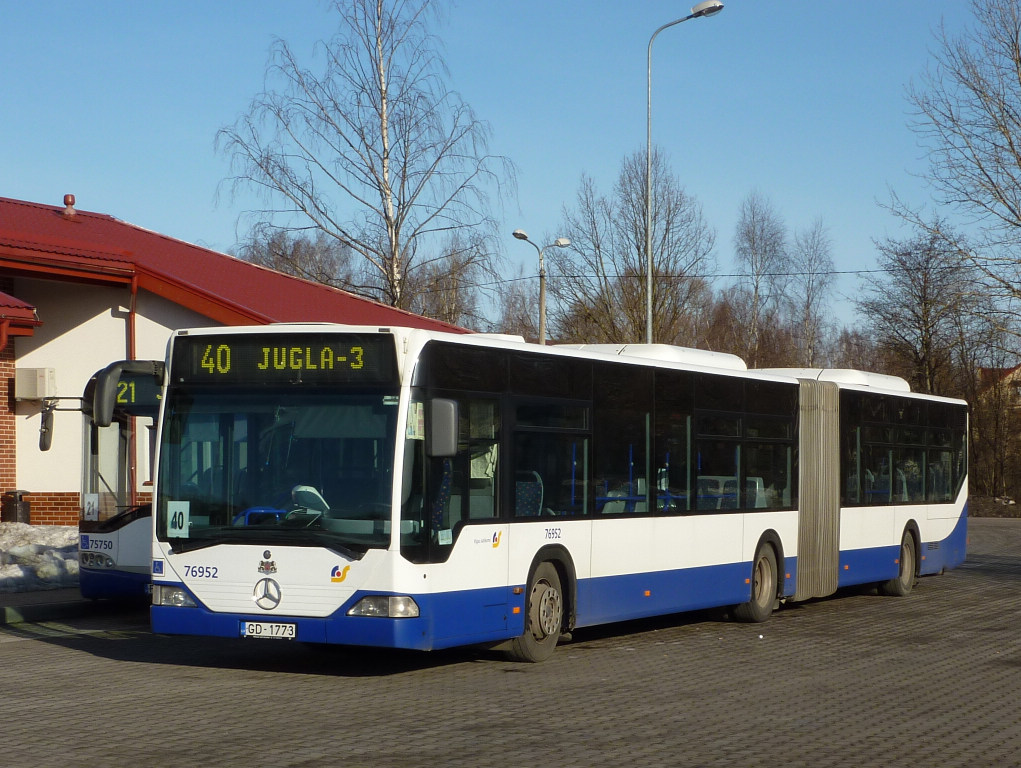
115,521
402,488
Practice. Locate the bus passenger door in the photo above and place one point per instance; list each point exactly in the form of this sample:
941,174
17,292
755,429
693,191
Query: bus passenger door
465,530
548,499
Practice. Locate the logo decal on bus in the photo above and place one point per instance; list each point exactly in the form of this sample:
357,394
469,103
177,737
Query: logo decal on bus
267,594
267,566
493,540
338,575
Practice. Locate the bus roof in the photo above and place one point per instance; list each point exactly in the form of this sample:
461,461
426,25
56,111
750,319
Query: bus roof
667,353
847,376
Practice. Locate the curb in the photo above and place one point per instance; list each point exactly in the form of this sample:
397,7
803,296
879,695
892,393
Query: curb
44,612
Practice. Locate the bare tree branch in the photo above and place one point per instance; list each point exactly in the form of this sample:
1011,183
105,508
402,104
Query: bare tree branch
598,284
373,150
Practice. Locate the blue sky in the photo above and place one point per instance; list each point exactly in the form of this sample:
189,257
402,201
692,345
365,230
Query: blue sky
119,103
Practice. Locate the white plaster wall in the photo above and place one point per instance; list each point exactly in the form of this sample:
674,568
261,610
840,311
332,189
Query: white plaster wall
84,328
155,319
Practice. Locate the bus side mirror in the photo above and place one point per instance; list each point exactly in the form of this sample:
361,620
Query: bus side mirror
105,396
441,428
46,429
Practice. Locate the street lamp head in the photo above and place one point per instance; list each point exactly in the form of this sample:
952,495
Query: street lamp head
561,242
706,8
520,234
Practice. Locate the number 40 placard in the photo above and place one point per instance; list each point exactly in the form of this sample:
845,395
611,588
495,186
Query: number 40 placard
178,519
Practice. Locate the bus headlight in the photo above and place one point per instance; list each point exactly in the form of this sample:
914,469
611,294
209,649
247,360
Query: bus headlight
176,597
95,560
385,606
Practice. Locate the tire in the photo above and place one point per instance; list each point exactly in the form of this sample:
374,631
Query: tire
544,618
764,588
905,580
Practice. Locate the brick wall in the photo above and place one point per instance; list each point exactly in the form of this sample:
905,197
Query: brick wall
8,444
63,508
53,508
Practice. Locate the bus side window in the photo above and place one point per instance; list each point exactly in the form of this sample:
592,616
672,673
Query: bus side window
549,474
621,434
482,481
463,487
483,453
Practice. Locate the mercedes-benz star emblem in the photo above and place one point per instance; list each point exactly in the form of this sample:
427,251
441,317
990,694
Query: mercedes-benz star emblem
266,594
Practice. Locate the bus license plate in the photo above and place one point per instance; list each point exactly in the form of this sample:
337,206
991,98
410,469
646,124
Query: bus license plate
270,630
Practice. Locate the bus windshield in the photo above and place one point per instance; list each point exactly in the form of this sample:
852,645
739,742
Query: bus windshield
277,465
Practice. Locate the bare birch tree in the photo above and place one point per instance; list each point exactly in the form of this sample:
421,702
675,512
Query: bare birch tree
598,283
811,280
446,288
760,246
518,307
853,348
372,149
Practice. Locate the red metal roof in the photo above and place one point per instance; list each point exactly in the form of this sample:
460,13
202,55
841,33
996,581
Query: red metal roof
17,312
52,242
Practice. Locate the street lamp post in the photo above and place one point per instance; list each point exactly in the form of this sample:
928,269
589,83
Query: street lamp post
706,8
560,242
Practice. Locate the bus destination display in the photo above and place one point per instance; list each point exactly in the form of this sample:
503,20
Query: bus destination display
285,359
138,394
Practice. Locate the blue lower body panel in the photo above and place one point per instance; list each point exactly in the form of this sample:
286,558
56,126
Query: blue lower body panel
488,615
447,620
865,566
635,596
97,585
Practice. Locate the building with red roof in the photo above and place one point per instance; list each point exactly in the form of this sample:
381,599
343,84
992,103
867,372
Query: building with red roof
80,289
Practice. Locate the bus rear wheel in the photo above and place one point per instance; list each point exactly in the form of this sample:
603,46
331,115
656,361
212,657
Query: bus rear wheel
905,580
544,618
764,588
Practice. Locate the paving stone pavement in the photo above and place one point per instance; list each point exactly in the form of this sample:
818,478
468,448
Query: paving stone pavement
930,679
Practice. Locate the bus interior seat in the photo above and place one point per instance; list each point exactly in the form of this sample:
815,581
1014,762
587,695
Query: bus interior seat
755,493
640,505
211,480
527,494
728,500
614,505
441,498
708,498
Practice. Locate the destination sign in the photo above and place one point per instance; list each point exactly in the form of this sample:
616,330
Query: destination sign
138,394
134,394
285,359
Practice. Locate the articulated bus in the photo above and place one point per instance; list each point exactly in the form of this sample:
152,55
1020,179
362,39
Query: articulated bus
401,488
114,524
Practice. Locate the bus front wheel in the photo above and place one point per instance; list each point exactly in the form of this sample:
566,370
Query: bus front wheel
764,588
544,618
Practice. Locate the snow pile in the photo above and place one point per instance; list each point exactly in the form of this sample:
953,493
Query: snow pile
38,557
